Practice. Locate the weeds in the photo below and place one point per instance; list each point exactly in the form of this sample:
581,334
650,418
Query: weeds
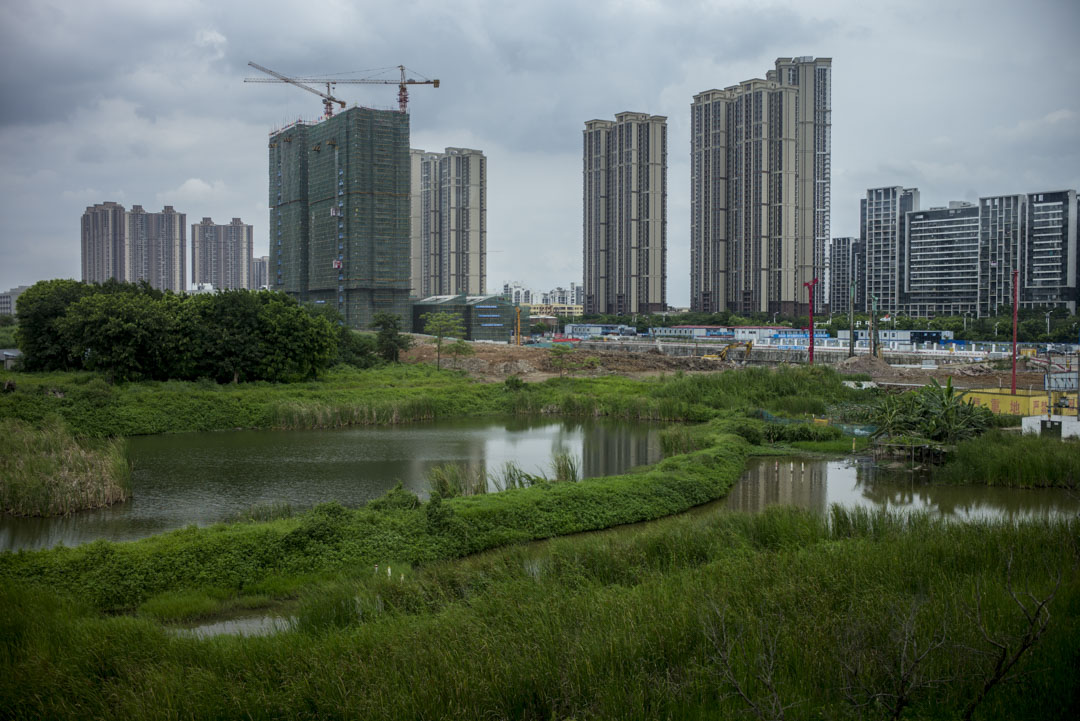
47,471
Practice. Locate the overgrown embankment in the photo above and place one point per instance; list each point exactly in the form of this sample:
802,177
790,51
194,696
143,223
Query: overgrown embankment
48,471
401,394
244,557
1010,459
859,615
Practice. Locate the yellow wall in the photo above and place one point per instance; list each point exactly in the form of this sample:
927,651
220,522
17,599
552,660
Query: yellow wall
1024,403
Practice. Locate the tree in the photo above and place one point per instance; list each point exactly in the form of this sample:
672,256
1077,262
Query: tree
441,325
126,336
389,340
40,308
460,349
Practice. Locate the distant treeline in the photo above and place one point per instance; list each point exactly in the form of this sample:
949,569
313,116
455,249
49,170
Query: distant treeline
131,332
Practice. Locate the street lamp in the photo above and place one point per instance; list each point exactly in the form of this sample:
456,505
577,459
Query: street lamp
1047,323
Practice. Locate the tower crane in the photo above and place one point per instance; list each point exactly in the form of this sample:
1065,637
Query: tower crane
403,82
328,99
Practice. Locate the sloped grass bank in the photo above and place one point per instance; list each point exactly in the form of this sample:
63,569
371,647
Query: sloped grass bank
396,528
860,615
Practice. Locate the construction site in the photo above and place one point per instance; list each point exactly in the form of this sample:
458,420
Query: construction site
339,204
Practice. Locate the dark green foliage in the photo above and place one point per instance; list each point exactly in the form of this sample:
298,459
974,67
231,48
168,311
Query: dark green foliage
389,341
133,332
124,336
40,309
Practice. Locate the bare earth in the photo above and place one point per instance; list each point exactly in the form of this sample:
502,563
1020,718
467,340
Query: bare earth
494,363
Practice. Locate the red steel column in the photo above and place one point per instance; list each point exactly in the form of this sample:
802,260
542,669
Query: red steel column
1016,307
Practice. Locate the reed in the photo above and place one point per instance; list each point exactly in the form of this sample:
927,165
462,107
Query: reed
657,621
565,468
1010,459
48,471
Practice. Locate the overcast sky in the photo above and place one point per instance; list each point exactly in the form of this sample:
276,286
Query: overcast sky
142,102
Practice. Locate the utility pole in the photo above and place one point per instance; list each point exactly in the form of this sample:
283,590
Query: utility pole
1016,308
810,288
873,326
851,320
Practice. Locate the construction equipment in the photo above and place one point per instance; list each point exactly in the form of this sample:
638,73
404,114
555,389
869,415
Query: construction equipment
722,355
328,99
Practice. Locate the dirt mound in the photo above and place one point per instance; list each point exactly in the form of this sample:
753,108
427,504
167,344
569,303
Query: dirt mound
496,362
864,364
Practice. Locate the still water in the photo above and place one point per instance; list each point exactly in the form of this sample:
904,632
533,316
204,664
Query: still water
204,478
817,484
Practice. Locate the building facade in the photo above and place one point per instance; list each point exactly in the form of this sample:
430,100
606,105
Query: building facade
624,227
760,199
941,276
448,222
260,267
1036,235
135,245
221,255
104,242
882,218
8,299
847,275
339,213
484,317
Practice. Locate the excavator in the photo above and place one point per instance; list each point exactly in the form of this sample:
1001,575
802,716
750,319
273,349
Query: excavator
722,355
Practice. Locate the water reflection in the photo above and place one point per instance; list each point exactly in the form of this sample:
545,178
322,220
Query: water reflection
204,478
816,484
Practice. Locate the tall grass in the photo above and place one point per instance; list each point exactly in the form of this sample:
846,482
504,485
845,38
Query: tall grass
1009,459
649,622
299,414
47,471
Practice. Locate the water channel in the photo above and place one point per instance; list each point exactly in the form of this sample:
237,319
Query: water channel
206,478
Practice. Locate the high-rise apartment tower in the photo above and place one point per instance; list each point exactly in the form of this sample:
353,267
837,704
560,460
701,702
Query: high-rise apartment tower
882,220
847,274
135,245
448,222
339,213
221,254
624,227
759,192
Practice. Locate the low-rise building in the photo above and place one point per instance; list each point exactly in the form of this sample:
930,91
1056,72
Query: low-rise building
585,331
485,317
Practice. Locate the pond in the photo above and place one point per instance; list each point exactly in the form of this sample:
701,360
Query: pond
817,484
205,478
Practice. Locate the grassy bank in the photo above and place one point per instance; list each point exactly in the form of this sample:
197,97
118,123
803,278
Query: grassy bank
248,558
857,616
396,394
47,471
1011,459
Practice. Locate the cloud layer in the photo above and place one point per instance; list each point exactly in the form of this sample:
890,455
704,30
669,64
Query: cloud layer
143,102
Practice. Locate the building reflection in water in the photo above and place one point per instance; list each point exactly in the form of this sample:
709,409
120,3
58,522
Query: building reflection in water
817,484
786,482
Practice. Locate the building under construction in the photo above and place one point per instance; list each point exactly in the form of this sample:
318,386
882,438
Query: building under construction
339,213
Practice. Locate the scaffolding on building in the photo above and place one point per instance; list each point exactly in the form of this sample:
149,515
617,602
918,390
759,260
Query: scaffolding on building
339,205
